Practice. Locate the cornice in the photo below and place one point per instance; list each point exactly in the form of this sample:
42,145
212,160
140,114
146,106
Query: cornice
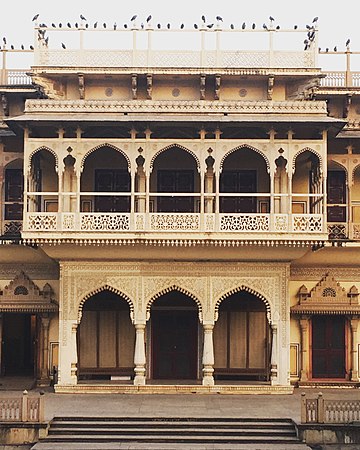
351,274
165,106
49,271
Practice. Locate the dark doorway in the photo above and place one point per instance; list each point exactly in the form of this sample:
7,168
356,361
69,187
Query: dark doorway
328,347
112,180
18,349
174,322
173,181
336,196
238,181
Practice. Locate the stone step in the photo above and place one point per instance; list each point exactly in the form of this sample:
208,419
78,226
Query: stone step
166,430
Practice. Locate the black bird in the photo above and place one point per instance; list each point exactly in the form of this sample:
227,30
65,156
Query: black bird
159,25
4,40
43,25
295,27
82,17
12,47
22,47
95,24
63,45
232,26
315,19
53,25
104,25
35,17
278,27
182,26
168,26
203,18
142,26
133,18
253,26
196,26
76,25
47,40
264,26
60,25
69,25
31,47
219,19
306,41
86,25
148,19
125,25
347,43
308,27
335,49
271,18
243,26
210,25
115,26
327,50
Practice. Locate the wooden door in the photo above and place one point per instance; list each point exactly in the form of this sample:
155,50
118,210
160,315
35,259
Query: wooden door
328,347
112,180
14,188
238,181
175,181
174,346
336,196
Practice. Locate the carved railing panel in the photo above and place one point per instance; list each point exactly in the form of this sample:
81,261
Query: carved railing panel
319,410
11,228
10,409
244,222
309,223
104,222
42,221
337,231
355,231
174,222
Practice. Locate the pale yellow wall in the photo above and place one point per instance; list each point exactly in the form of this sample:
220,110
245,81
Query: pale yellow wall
176,89
242,89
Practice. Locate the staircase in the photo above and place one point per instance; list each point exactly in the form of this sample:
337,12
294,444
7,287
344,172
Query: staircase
67,433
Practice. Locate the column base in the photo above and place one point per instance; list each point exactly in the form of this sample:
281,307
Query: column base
139,380
208,380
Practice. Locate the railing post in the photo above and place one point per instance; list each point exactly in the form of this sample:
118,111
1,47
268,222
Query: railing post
320,408
303,408
24,406
41,413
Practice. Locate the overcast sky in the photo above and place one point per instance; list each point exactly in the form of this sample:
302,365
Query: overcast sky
337,21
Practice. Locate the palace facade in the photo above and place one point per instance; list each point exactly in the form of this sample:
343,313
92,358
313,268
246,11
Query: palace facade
179,217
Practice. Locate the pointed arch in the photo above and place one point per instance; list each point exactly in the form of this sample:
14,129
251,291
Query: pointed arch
303,150
248,290
98,147
352,173
48,149
181,147
172,288
250,147
13,162
105,287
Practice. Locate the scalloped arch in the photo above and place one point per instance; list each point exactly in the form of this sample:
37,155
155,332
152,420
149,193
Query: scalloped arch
39,149
353,172
172,288
98,147
105,287
250,291
340,166
303,150
250,147
162,150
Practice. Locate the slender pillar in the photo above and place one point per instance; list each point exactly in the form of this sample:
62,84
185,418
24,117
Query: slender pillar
274,354
44,360
354,350
139,357
304,326
208,356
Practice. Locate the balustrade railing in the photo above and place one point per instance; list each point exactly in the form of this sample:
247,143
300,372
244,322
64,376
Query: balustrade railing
15,77
340,79
319,410
47,222
22,409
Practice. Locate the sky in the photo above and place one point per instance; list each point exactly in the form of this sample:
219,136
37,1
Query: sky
336,23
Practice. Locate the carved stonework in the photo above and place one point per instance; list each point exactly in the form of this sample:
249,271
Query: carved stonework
134,86
202,87
50,88
149,85
327,297
81,86
23,295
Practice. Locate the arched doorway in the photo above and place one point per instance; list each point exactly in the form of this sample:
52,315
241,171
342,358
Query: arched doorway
106,338
242,339
174,335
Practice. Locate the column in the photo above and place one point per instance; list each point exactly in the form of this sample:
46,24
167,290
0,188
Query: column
1,339
274,354
139,356
208,355
354,351
304,326
44,350
209,181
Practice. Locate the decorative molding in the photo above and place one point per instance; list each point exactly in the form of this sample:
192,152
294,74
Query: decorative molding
351,274
179,106
48,271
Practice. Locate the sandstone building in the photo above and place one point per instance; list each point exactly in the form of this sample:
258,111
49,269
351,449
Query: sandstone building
179,216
